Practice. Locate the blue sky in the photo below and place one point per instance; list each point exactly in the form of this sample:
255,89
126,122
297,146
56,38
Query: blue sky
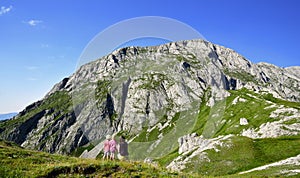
41,41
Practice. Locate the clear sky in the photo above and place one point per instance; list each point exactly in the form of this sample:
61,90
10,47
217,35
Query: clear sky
41,41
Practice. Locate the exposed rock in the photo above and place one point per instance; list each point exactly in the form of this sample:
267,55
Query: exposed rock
197,145
19,135
277,127
295,70
93,153
243,121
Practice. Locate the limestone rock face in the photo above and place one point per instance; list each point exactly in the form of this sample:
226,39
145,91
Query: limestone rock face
295,70
191,146
134,89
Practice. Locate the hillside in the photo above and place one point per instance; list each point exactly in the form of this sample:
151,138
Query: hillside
190,106
18,162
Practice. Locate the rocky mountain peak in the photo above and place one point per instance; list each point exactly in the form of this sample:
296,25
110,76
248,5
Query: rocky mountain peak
176,96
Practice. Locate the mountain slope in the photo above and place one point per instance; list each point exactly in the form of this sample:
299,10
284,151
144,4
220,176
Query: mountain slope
18,162
255,130
176,103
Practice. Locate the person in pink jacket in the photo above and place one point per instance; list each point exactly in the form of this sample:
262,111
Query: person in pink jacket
113,148
106,147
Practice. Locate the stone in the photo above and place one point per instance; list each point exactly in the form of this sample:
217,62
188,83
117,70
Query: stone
243,121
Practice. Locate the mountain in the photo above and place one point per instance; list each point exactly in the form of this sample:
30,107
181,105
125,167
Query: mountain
189,106
7,116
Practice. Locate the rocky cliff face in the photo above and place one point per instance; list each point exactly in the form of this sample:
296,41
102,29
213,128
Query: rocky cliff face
157,95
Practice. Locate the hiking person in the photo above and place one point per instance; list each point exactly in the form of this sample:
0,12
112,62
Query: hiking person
123,149
113,147
106,147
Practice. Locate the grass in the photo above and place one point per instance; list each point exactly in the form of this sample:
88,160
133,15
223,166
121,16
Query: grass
274,149
292,121
223,118
204,111
253,109
146,136
18,162
78,151
167,159
142,50
103,87
271,98
244,154
190,59
243,76
276,171
152,80
145,146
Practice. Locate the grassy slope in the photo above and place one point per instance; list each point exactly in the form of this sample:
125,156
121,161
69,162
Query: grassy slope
18,162
244,153
255,108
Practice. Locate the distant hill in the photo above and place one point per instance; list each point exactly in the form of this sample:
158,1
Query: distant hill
8,115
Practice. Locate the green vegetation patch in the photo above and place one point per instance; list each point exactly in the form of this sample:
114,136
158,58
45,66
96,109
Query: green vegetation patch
243,76
152,80
102,89
278,101
167,159
242,153
18,162
142,50
253,108
224,117
146,136
292,121
274,171
190,59
149,145
78,151
204,111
